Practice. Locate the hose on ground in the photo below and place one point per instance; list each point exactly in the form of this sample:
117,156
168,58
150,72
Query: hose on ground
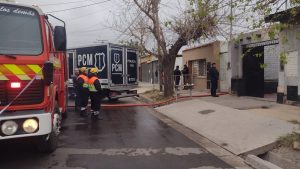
155,104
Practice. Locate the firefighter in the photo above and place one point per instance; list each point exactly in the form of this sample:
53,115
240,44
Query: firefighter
83,90
75,90
95,93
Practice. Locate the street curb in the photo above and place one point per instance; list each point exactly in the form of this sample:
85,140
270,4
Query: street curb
259,163
261,150
281,161
218,151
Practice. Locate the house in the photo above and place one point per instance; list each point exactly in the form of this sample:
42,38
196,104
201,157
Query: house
199,60
254,64
148,68
289,75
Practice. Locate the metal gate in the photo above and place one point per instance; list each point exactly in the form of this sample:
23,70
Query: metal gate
252,71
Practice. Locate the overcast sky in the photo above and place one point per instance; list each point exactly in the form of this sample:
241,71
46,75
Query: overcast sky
87,25
91,24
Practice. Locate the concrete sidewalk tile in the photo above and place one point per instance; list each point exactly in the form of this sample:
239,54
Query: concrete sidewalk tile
238,131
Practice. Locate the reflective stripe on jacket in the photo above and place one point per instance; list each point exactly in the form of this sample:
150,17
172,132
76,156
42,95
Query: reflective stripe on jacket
85,79
91,82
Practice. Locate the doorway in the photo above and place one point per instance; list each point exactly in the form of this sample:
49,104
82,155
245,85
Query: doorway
253,71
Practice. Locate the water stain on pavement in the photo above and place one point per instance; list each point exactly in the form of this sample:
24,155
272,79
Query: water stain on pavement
204,112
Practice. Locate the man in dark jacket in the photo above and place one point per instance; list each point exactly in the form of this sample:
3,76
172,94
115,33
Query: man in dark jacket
75,90
214,78
83,90
185,73
95,94
177,75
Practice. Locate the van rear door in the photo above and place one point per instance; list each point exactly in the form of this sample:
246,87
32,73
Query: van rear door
117,66
131,66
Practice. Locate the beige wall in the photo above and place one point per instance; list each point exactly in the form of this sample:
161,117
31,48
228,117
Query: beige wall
210,52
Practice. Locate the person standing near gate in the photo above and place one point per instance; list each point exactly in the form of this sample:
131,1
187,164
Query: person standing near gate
185,73
95,93
177,75
83,90
214,78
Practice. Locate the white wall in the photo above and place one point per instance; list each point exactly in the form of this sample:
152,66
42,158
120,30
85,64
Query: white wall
272,61
179,62
291,75
225,73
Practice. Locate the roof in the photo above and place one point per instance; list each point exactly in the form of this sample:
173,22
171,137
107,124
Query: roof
291,15
200,46
39,10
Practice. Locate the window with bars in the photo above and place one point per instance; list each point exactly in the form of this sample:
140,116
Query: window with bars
199,67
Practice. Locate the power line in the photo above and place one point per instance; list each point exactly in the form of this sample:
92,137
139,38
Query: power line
82,16
85,31
83,6
61,3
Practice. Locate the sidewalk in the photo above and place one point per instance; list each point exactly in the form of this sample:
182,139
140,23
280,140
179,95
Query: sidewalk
143,87
238,124
259,107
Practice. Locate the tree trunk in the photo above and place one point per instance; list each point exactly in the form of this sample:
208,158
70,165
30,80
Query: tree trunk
160,70
168,64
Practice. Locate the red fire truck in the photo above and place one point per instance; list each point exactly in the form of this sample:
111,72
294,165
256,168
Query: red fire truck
33,75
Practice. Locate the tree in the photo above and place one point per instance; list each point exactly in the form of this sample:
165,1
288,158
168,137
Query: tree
198,19
264,8
163,36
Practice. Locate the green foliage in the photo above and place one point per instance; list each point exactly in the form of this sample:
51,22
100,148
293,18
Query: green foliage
271,34
258,55
284,40
295,2
256,37
283,58
168,23
263,65
289,139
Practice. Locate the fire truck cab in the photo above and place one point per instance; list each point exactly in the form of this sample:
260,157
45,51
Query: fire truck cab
33,75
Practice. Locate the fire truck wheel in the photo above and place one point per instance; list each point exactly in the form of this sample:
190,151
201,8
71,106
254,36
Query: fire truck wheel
48,143
64,115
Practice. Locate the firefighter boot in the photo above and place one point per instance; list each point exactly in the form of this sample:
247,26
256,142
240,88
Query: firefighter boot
83,112
96,115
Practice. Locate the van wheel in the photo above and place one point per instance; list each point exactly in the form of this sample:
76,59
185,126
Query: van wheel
49,143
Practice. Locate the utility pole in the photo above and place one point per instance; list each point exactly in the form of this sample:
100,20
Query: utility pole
231,20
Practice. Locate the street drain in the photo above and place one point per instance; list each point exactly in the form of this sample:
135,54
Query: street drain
206,111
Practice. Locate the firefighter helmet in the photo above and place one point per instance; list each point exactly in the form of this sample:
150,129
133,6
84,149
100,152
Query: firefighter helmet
82,70
94,70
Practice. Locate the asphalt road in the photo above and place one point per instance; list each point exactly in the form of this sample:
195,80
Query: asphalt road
127,138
